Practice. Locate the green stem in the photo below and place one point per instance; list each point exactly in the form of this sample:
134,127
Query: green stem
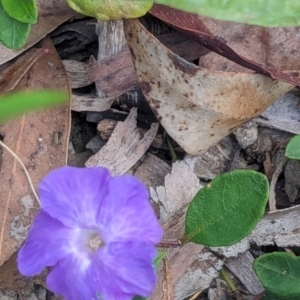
171,149
228,280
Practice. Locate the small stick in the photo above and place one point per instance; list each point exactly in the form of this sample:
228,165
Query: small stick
196,295
24,168
272,197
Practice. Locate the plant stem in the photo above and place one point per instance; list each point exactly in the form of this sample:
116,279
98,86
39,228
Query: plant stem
228,280
169,244
171,149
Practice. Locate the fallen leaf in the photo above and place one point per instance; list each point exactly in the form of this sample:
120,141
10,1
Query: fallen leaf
195,27
52,13
11,76
32,138
197,107
125,146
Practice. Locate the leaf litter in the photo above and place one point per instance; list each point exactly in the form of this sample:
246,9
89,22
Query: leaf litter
199,98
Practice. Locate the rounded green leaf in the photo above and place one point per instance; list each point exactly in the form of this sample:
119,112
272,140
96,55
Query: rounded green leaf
24,11
13,34
228,209
279,273
292,150
273,13
106,10
16,104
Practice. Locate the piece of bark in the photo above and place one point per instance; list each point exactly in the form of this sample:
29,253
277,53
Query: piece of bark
114,75
192,267
91,103
213,162
284,114
125,146
111,40
241,267
279,228
153,171
78,73
105,128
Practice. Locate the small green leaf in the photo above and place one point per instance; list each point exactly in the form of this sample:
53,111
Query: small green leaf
279,273
13,34
228,209
24,11
271,13
106,10
16,104
292,150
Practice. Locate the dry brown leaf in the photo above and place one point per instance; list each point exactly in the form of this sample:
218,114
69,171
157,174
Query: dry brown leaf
32,138
52,13
274,48
11,76
194,27
125,146
197,107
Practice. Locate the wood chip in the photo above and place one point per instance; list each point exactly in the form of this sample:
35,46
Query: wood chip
125,146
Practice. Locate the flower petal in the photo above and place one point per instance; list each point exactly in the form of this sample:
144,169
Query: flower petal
126,213
73,195
48,241
124,270
70,279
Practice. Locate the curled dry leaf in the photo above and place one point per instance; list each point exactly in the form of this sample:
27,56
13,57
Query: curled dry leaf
52,13
124,147
40,140
197,107
204,30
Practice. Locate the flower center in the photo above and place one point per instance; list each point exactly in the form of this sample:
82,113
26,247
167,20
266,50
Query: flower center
95,241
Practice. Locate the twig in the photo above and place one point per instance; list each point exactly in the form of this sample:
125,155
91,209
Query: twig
272,197
24,168
196,295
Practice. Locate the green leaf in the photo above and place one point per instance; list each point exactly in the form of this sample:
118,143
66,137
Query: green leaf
279,273
24,11
13,34
106,10
257,12
228,209
16,104
292,150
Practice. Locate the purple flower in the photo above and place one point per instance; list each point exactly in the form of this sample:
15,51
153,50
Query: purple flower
97,232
